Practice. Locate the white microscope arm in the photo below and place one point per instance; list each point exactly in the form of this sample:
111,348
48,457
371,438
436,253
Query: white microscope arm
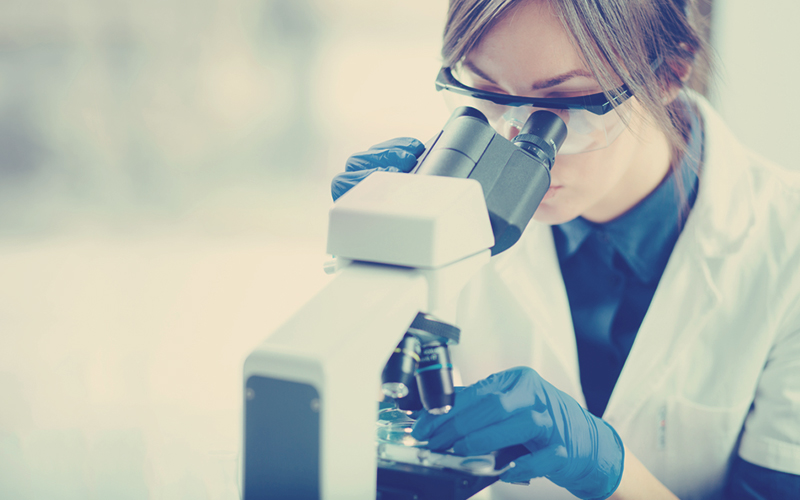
311,386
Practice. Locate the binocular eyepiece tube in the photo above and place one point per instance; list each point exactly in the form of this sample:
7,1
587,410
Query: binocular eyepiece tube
514,175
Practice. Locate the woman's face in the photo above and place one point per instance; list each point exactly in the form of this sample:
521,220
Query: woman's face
529,53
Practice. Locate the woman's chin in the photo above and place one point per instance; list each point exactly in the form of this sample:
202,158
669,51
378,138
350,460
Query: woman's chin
552,214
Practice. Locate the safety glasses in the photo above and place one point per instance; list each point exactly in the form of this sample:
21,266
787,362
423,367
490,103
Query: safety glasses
593,121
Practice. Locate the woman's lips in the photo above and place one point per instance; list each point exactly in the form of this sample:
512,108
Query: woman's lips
551,192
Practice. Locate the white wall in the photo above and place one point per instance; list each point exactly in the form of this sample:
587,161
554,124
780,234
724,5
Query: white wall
757,89
164,182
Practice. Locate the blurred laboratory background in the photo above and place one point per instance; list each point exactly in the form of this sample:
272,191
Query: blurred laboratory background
164,186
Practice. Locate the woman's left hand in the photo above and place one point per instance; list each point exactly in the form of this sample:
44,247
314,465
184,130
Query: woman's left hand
567,444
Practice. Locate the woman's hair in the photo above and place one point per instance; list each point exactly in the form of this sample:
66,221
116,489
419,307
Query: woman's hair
619,39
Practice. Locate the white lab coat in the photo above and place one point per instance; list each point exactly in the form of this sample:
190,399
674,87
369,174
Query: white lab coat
717,357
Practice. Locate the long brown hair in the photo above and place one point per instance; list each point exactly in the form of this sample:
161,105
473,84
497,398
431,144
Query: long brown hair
619,39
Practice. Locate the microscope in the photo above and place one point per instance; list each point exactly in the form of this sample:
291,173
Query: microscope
406,245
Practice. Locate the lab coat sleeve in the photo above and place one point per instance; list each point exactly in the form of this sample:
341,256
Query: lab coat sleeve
771,435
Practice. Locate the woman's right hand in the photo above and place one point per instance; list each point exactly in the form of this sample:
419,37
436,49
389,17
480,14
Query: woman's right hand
395,155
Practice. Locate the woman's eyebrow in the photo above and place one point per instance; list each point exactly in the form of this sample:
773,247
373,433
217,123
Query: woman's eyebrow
542,84
478,71
558,80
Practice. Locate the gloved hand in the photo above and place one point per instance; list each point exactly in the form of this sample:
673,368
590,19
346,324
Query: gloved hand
568,445
395,155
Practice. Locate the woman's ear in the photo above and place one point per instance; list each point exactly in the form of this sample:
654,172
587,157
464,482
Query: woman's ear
682,71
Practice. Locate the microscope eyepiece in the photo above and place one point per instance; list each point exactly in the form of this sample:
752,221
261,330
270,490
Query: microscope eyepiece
542,136
468,111
547,125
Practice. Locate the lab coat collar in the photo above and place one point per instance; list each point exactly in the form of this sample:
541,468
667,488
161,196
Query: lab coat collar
723,212
531,269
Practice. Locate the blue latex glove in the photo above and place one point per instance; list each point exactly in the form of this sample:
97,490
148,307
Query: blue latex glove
568,445
396,155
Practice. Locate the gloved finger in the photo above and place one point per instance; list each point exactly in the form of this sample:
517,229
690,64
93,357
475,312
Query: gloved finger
381,158
344,181
489,393
522,382
408,144
424,426
483,413
522,426
427,424
537,464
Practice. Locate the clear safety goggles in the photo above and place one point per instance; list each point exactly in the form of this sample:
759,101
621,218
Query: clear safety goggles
593,121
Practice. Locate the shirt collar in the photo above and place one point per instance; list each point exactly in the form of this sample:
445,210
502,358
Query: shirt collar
645,235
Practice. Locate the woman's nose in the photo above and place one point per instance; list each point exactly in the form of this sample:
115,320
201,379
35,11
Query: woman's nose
510,130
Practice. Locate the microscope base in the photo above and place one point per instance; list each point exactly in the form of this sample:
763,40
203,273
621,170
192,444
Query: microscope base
398,481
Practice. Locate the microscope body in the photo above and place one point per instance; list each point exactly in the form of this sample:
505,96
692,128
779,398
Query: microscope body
311,386
408,244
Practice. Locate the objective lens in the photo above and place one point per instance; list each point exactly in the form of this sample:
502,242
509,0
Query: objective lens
411,402
398,374
395,389
435,378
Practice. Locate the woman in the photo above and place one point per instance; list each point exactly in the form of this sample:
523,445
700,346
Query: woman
654,305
